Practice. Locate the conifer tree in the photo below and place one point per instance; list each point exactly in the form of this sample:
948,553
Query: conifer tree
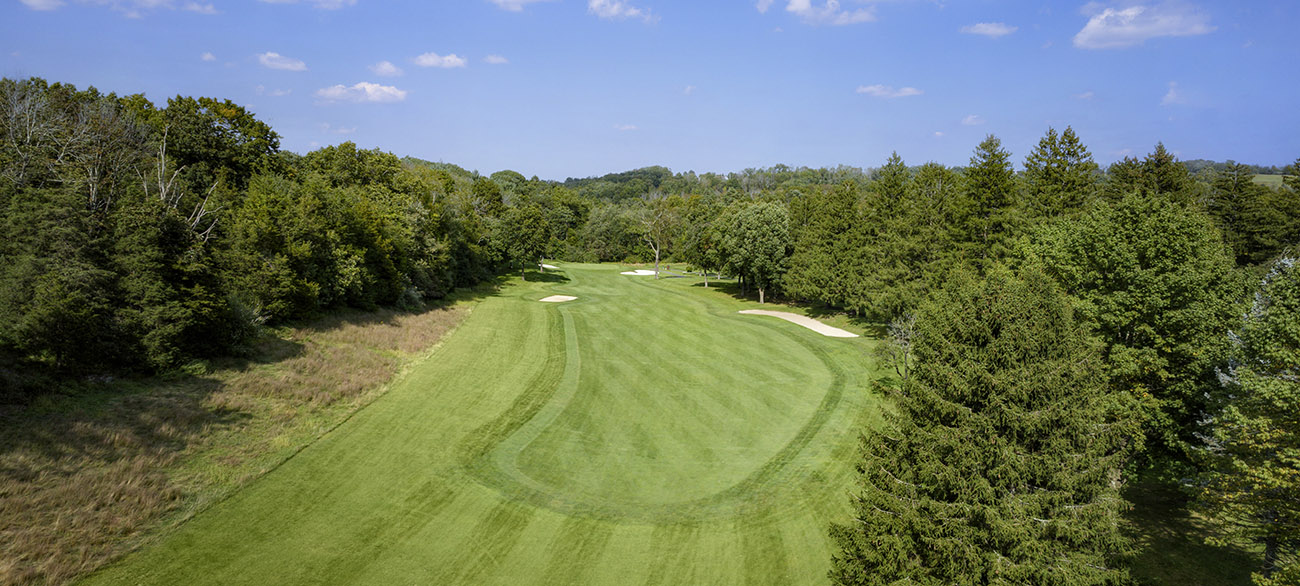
1252,488
1002,464
990,182
1060,175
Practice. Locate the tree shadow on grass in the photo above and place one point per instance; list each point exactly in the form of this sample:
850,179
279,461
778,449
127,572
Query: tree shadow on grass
1171,542
551,276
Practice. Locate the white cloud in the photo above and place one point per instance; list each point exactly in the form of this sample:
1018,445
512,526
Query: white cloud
1172,96
992,30
515,5
888,91
618,9
361,92
972,120
763,5
625,127
43,4
261,91
829,13
321,4
330,129
496,60
129,8
1116,28
201,8
386,69
690,89
938,134
208,56
1088,95
273,60
436,60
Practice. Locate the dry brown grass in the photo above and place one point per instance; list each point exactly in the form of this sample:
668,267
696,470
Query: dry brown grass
85,479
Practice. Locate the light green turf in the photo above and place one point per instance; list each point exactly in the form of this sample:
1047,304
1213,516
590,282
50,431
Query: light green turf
643,434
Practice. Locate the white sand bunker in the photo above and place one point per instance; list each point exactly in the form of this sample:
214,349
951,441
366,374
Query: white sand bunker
804,321
546,266
558,298
639,273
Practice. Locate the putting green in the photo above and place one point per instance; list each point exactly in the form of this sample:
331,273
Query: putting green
642,434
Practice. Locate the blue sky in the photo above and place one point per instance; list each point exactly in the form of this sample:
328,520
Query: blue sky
560,88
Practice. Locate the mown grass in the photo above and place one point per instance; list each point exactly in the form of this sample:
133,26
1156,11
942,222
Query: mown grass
85,478
645,433
1270,180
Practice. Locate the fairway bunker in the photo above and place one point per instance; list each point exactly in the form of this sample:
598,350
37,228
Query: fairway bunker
804,321
638,273
546,266
557,298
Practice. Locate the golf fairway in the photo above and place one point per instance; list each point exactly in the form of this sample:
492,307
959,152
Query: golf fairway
643,433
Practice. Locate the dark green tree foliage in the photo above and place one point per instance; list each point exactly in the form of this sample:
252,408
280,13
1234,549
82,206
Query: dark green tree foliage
1160,174
211,142
824,233
610,235
1252,486
700,236
1234,201
1060,176
56,302
524,234
757,245
137,237
991,188
885,274
1155,281
1002,464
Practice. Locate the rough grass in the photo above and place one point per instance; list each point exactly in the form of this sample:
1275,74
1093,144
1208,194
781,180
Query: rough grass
645,433
85,478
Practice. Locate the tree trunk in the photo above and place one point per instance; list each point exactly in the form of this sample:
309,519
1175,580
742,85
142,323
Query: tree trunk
706,279
656,263
541,266
760,295
1270,555
523,266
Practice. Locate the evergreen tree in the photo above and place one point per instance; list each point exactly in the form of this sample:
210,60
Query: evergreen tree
824,234
990,184
1252,489
1060,176
1235,197
1002,463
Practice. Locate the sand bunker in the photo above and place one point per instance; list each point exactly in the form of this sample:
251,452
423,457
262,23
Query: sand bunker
558,298
804,321
639,273
546,266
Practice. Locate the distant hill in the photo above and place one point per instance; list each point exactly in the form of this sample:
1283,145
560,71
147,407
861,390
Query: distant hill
1196,165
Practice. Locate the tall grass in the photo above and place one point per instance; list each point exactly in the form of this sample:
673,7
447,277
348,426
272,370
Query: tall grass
85,478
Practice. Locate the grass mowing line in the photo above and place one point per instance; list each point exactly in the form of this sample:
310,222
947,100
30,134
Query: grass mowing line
507,452
394,495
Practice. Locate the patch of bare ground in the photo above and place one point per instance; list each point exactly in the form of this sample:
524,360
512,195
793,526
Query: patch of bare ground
85,479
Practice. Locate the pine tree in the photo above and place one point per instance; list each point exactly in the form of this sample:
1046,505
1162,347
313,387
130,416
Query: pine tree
1002,464
1252,489
991,185
1060,175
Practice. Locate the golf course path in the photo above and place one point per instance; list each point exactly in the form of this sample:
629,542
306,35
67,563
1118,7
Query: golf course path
641,433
